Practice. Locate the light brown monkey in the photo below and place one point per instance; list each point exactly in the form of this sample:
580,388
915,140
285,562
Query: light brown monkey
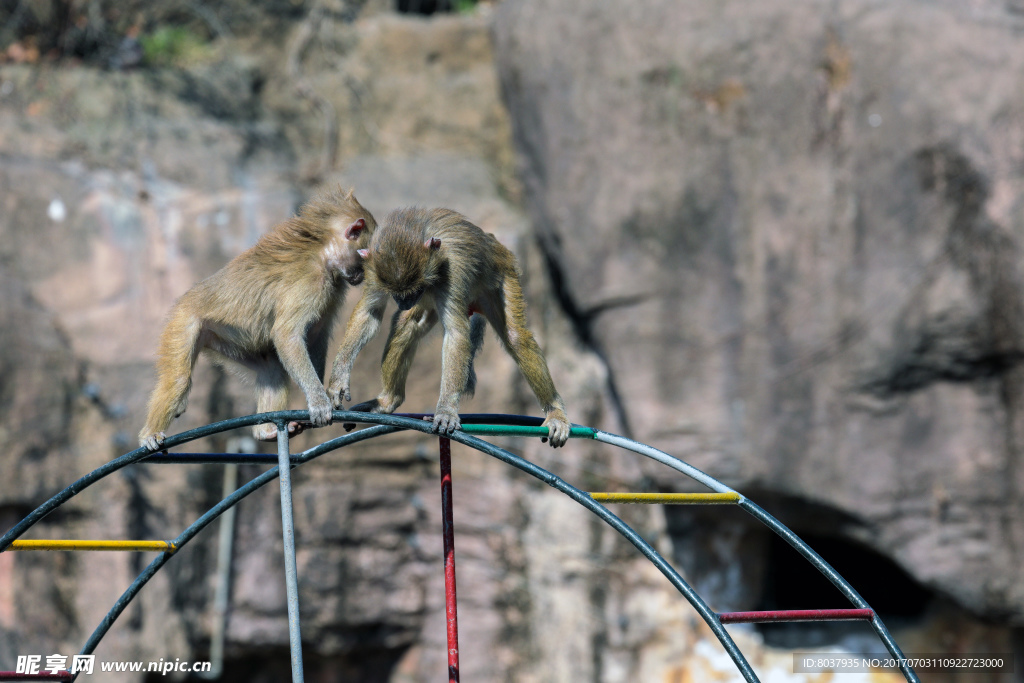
270,310
439,266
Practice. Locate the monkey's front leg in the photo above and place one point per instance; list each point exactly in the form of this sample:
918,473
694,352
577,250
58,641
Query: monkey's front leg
455,360
362,326
291,349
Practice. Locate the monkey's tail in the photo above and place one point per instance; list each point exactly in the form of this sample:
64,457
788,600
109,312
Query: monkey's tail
477,325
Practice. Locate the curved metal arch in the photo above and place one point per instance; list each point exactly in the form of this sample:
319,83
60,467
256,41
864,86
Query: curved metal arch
386,424
392,424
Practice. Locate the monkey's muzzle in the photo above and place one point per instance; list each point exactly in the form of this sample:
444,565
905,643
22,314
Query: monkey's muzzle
353,278
407,301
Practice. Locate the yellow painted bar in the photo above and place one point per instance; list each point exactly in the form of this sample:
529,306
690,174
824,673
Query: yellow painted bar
130,546
668,498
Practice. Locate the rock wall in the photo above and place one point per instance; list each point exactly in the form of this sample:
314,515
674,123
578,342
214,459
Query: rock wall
780,247
792,233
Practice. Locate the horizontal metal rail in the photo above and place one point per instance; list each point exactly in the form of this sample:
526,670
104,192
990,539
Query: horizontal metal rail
125,546
523,430
211,459
669,498
796,615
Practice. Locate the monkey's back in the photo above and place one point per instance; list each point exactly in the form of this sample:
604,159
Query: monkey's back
243,299
475,259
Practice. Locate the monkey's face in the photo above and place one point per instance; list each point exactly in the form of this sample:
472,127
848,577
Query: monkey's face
348,259
353,274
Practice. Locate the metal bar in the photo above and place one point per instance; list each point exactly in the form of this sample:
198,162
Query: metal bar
222,596
130,546
523,430
484,418
14,676
291,580
832,575
448,524
665,459
212,459
668,498
796,615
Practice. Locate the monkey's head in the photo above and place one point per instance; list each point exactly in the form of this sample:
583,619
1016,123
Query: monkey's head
403,264
341,213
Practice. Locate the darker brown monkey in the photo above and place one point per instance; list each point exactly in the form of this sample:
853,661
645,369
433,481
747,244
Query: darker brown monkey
269,310
439,266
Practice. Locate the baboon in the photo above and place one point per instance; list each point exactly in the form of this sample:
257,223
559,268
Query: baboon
439,266
270,310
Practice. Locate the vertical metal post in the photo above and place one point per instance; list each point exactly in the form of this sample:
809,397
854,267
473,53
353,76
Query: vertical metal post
290,572
450,606
222,595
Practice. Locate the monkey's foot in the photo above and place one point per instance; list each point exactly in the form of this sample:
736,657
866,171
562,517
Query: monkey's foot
153,442
268,432
338,390
321,411
558,428
446,422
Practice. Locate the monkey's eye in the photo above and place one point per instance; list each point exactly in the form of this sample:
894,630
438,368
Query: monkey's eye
408,300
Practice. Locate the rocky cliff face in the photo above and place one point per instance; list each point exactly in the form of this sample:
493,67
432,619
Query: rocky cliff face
792,232
777,241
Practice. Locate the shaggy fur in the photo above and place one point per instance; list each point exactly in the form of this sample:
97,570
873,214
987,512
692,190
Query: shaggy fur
270,310
439,266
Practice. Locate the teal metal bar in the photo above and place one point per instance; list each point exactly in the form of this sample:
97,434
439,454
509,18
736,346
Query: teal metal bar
522,430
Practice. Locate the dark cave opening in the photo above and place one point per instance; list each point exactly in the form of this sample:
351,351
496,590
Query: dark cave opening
791,582
737,564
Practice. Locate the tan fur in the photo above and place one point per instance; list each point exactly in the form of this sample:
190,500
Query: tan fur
468,275
270,310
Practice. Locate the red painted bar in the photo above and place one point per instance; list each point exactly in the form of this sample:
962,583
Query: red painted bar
796,615
450,605
13,676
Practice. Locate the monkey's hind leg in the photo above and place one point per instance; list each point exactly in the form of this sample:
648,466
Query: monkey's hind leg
524,349
176,357
477,325
271,396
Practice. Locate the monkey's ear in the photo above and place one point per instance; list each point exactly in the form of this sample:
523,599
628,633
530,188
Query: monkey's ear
363,253
353,231
434,243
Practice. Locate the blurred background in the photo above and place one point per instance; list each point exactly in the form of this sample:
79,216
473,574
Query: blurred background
780,240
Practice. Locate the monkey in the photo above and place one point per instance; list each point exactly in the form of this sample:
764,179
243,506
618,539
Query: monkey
270,310
438,266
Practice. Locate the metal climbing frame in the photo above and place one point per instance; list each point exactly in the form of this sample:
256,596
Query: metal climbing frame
473,425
